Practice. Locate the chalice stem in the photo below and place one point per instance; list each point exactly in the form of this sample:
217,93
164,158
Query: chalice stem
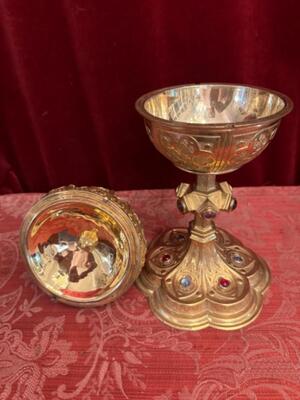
206,182
205,199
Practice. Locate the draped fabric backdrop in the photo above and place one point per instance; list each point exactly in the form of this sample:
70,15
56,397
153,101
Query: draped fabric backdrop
71,70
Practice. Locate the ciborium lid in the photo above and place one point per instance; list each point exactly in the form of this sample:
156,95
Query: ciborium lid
83,245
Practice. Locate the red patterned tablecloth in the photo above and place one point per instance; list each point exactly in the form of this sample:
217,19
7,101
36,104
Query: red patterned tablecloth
121,351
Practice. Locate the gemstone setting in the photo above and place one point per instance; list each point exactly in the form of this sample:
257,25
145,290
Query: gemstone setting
185,281
179,237
166,258
224,283
209,214
237,258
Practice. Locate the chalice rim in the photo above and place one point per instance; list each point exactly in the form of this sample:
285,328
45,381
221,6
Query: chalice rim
260,121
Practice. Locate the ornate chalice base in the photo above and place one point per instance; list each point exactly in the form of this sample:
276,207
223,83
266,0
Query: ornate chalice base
203,276
194,285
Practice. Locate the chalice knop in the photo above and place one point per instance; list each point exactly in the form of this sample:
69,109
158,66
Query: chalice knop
203,276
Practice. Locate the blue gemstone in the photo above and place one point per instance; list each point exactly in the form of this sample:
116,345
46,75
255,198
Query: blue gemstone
185,281
238,259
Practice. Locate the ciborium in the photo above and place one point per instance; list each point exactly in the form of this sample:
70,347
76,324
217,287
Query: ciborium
203,276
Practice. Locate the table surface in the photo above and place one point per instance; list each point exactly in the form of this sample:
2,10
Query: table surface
121,351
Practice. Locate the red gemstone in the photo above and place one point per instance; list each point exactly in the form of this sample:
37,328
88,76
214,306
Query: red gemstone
166,258
224,282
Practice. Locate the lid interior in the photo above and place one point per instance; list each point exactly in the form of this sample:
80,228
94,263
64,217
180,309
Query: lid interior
77,251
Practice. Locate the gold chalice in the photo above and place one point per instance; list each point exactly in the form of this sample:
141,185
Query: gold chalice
203,276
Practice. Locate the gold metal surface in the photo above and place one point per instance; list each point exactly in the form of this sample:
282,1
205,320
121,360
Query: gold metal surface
212,128
84,246
203,276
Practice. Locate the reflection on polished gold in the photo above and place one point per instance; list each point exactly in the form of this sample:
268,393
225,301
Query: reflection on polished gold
203,276
84,246
212,128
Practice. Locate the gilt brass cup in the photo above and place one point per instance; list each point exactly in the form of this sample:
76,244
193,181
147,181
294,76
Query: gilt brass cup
203,276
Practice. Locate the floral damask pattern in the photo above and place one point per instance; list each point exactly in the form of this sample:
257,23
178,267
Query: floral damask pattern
121,351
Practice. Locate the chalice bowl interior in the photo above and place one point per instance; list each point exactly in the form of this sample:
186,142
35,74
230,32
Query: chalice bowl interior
203,276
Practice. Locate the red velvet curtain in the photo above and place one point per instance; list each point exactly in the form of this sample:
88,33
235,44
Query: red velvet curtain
71,70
